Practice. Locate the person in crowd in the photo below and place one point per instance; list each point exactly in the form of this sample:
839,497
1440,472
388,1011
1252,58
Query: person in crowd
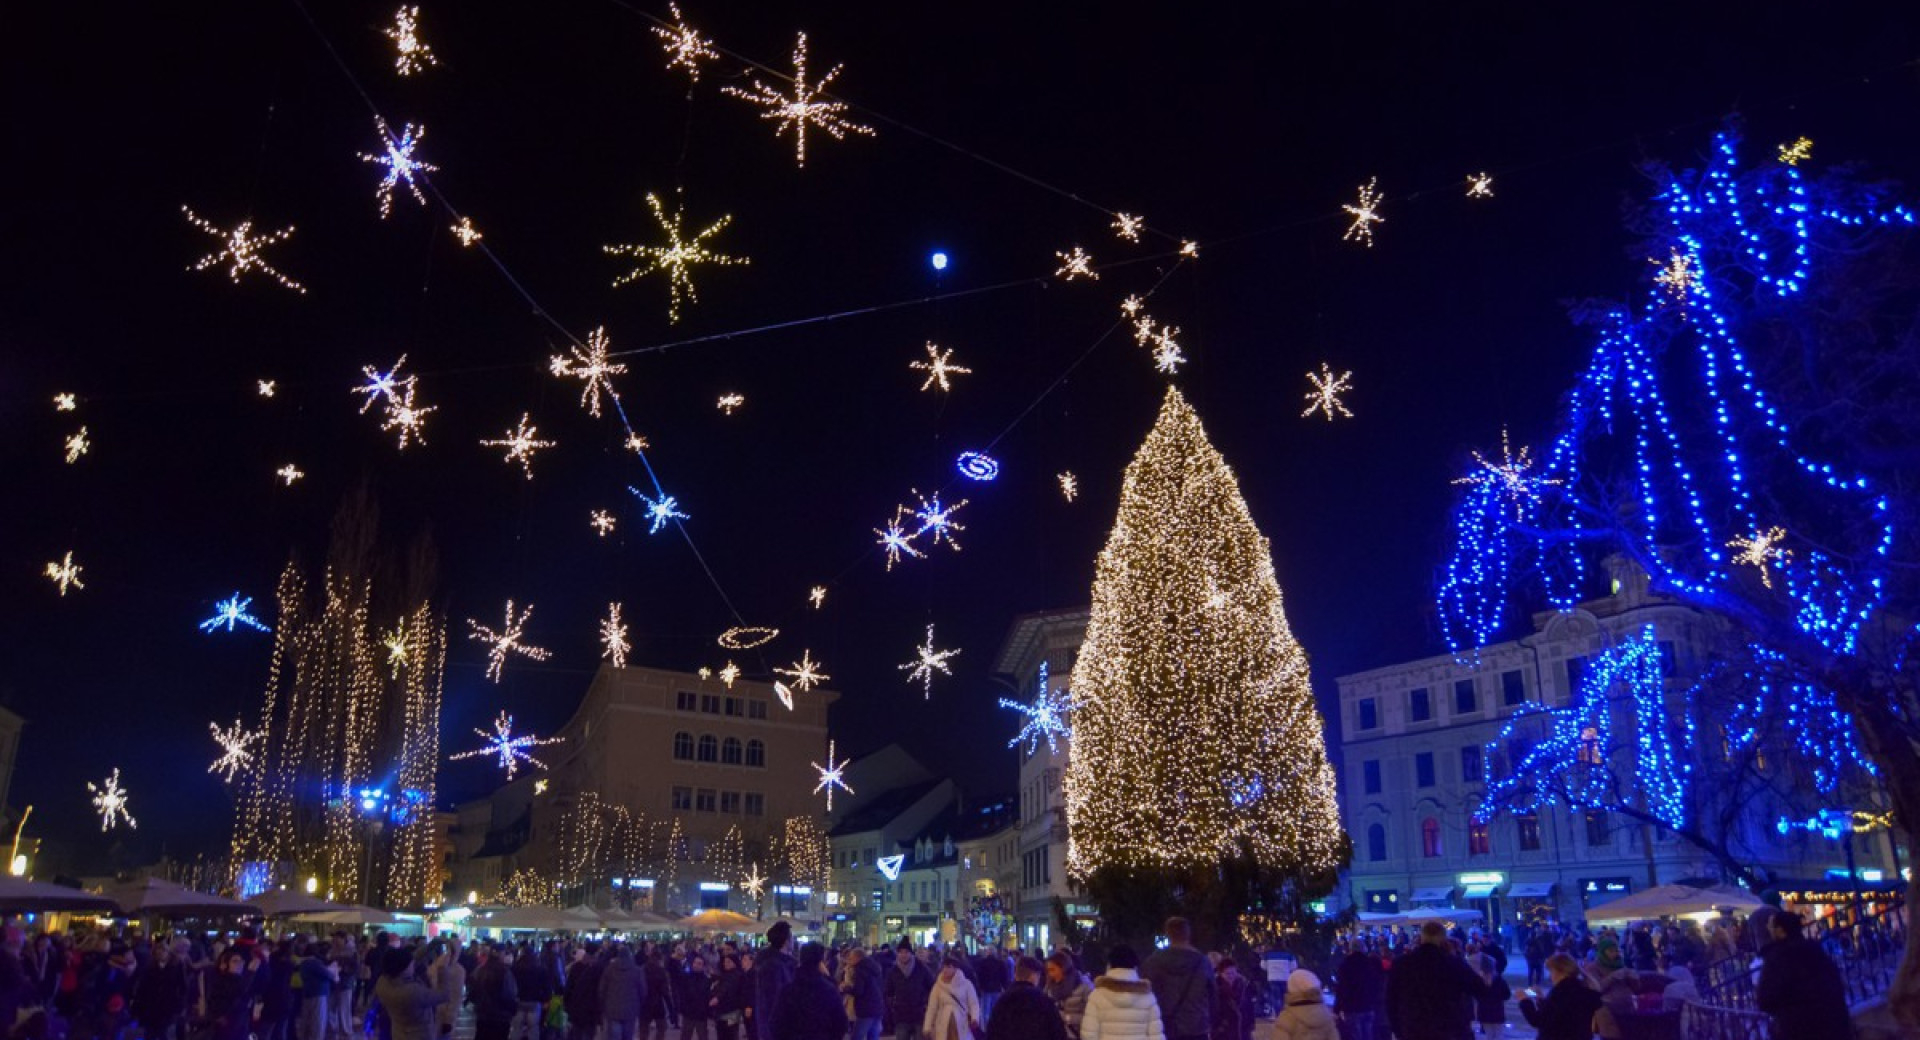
692,998
1305,1015
990,978
274,987
350,975
657,1009
909,985
773,971
623,994
1800,986
1681,986
494,992
1540,944
1068,987
866,995
1490,1008
410,1003
1430,991
318,975
1024,1011
953,1008
1122,1005
229,1002
1182,981
533,982
1360,993
583,993
449,976
1567,1011
159,993
732,993
808,1006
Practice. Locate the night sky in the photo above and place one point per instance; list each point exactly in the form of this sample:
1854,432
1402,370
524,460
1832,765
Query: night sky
1004,134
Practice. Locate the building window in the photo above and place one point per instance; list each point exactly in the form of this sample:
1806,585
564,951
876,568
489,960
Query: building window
1466,700
756,709
756,804
730,803
1423,769
1513,689
1376,842
1527,827
1589,753
1430,838
1576,674
683,746
684,700
730,751
709,748
1420,705
710,703
756,754
1597,831
703,800
1369,713
1370,776
736,707
1669,658
682,799
1479,841
1470,765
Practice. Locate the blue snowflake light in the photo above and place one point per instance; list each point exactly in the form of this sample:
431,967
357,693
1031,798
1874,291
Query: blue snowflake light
660,511
231,612
508,749
1046,716
975,465
938,519
401,166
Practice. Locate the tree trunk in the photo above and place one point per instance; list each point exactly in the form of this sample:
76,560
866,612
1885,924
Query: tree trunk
1884,736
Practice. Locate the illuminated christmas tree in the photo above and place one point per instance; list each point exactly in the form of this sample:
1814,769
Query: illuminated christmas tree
1196,742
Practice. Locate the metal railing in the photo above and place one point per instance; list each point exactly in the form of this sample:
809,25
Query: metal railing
1868,954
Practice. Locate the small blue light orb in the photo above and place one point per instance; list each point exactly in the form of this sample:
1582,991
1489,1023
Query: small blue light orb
976,466
939,260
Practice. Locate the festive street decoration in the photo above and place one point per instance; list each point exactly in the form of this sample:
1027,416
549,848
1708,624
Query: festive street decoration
753,883
805,673
65,573
1760,548
520,443
402,167
1365,213
508,750
804,108
1075,265
685,47
382,387
1131,306
747,637
1325,395
464,230
676,257
591,367
975,465
289,473
1510,477
601,521
938,518
265,387
1796,152
1167,355
506,641
1069,485
110,801
781,691
938,366
65,402
1046,716
411,52
636,443
613,637
927,661
75,446
236,749
1128,226
399,651
832,775
728,402
890,866
241,250
406,417
817,596
897,542
233,611
1680,276
1479,186
660,511
729,673
1189,250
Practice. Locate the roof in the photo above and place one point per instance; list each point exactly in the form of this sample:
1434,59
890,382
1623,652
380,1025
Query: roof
881,810
985,818
1027,630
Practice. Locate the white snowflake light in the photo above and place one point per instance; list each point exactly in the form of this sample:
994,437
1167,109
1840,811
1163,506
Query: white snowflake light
927,660
660,511
382,387
1189,250
400,163
817,596
405,416
1069,485
1128,226
506,641
1167,355
591,367
938,518
613,637
65,402
1143,330
241,251
805,673
413,52
1365,215
65,573
236,750
289,473
804,108
636,443
601,521
1077,264
729,673
1679,276
233,611
508,749
1479,186
897,542
466,232
704,673
266,387
753,884
76,446
1131,306
938,366
1325,395
397,647
1046,716
686,48
110,801
1509,475
729,402
832,775
520,444
1760,548
676,256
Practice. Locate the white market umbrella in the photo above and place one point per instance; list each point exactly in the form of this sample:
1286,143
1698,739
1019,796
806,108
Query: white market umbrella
1673,901
163,898
525,919
285,902
18,895
720,921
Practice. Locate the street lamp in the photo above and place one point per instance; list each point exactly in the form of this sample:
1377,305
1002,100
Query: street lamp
1840,825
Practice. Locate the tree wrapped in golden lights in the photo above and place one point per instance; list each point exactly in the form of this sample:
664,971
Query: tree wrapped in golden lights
1197,777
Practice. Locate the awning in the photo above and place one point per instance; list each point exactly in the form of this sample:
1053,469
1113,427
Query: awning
1479,891
1530,890
1433,895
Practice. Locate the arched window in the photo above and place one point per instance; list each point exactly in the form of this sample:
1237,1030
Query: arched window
756,754
1430,838
709,748
1376,842
683,746
730,751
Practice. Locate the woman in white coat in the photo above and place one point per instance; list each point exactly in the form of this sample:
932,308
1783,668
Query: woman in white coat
1122,1005
953,1008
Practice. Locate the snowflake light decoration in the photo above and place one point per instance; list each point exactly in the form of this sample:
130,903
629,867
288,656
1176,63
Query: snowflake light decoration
938,366
1128,226
1760,548
1077,264
704,673
805,673
613,637
413,52
236,750
76,446
1509,476
382,387
1365,215
466,232
506,641
1679,276
65,402
1797,152
728,402
591,367
1131,306
241,251
804,108
400,163
747,637
817,596
266,387
1325,395
230,612
636,443
397,647
520,444
1479,185
110,801
938,518
1069,485
508,749
685,47
1189,250
926,662
1046,717
65,573
660,511
676,256
289,473
405,416
1167,355
753,884
729,673
832,775
601,521
897,542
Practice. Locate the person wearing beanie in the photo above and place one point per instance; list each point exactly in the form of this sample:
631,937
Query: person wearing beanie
908,986
773,971
809,1006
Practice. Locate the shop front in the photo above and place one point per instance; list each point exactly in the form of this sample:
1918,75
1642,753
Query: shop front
1380,900
1478,891
1598,892
1532,902
1831,899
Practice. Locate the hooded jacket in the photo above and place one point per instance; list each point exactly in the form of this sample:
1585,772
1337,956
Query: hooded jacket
1122,1007
623,989
1430,995
1305,1018
1182,979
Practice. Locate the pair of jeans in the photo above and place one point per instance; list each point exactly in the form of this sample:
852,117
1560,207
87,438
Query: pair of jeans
694,1028
906,1031
340,1021
1362,1025
622,1030
864,1029
528,1020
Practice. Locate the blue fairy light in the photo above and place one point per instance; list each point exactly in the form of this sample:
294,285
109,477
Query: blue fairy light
975,465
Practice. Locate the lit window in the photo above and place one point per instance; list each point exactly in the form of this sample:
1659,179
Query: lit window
1430,838
1479,841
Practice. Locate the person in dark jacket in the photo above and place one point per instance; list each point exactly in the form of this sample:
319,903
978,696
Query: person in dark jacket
909,985
230,998
1430,991
1567,1011
657,1009
808,1007
583,994
274,986
316,977
990,978
866,995
1490,1008
773,971
693,999
1182,979
533,978
159,994
1024,1011
1800,986
732,993
493,992
623,994
1360,994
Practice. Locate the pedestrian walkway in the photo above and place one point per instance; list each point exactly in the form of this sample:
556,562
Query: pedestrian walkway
1517,1027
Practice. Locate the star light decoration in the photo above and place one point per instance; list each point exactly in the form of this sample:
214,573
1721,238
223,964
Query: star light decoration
397,647
1479,185
230,612
938,366
1509,475
236,750
817,596
1128,226
660,511
1167,355
832,775
613,637
1796,152
1679,275
685,47
1046,717
676,256
405,416
897,542
76,446
938,518
601,521
466,232
520,444
729,673
1325,395
266,387
1131,306
400,163
753,884
591,367
506,641
804,108
1074,265
241,251
413,52
110,801
729,402
1365,215
65,573
636,443
507,748
805,673
1069,485
382,387
289,473
926,662
1189,250
1760,548
65,402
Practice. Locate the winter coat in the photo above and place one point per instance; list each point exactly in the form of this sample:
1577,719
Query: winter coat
733,990
623,990
495,995
1024,1012
316,979
1491,1006
275,982
990,974
1566,1012
1430,995
658,1003
691,991
1182,979
230,1007
409,1004
533,979
773,972
907,992
1800,987
953,1010
159,996
807,1008
1122,1007
1070,996
867,992
1359,985
449,979
1306,1018
1229,989
583,994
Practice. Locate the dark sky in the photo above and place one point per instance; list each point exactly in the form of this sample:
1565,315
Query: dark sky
1246,131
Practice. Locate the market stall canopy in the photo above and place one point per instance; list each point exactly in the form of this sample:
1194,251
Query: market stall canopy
1673,901
527,919
347,913
1447,914
584,918
163,898
285,902
719,921
18,895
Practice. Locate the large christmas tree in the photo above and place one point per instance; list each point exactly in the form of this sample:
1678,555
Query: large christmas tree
1197,746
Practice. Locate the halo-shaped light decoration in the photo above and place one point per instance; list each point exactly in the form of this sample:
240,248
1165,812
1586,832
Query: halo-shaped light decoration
785,694
747,637
975,465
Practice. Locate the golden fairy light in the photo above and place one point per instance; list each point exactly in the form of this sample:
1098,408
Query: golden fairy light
1074,265
676,257
804,108
241,250
1325,395
520,443
1365,214
1759,549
